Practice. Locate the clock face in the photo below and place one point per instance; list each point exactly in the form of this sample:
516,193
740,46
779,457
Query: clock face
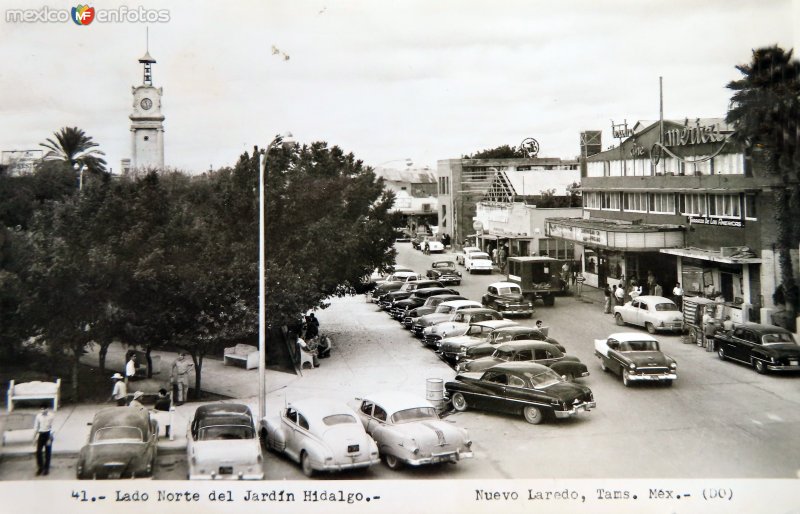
146,103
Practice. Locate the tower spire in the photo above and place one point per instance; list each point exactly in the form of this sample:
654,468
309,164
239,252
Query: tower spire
147,61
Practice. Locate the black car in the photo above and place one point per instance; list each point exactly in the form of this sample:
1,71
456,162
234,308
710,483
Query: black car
404,292
479,342
445,272
507,298
401,307
764,347
567,366
525,388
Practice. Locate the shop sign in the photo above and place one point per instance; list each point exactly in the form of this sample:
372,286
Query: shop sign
696,135
717,222
590,235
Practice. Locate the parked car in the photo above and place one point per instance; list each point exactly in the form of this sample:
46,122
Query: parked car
506,334
532,390
445,272
461,256
405,291
655,313
481,340
321,435
392,283
444,312
122,444
506,297
454,349
764,347
458,325
418,298
478,262
637,357
408,430
428,307
222,444
568,366
369,283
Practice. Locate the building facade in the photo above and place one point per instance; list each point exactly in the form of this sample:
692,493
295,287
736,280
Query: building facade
147,122
679,202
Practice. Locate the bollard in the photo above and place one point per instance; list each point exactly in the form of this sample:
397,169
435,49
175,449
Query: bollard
171,424
434,393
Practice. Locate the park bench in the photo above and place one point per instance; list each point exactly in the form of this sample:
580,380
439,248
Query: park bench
241,354
33,391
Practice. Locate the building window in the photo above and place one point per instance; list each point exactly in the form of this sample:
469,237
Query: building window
635,202
610,201
662,203
591,201
693,205
724,206
750,207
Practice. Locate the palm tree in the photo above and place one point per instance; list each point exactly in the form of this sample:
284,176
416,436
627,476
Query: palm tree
73,146
765,111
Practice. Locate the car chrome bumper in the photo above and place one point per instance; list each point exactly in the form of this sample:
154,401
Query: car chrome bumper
585,406
782,367
244,476
653,378
350,465
523,311
442,457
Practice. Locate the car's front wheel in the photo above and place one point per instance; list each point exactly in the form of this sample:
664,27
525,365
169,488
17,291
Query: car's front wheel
305,463
761,366
650,328
619,320
459,402
626,381
532,415
721,353
392,462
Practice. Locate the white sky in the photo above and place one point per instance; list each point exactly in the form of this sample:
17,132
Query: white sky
384,79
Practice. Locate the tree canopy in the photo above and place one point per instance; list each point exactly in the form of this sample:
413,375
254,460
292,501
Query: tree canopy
73,146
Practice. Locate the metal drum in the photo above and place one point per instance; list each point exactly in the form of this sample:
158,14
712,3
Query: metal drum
434,393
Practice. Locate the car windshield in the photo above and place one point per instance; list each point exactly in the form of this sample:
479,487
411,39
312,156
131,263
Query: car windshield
503,355
479,257
483,316
118,435
666,306
442,265
638,346
778,338
224,432
415,414
509,290
543,379
444,309
338,419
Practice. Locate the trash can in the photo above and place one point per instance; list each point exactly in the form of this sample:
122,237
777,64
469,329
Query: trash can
434,393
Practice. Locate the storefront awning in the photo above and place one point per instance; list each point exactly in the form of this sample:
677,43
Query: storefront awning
613,235
710,255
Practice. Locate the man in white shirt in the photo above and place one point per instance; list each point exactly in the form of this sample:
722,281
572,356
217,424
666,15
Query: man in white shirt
120,392
619,295
677,295
42,436
130,368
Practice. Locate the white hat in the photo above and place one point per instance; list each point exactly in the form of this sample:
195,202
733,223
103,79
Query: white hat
116,376
137,395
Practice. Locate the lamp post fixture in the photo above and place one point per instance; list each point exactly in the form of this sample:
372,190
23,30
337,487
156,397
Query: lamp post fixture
80,168
262,348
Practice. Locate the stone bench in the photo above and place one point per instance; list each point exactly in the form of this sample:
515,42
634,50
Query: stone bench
33,391
242,354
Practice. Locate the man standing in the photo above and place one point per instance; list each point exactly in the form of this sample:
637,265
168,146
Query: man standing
312,326
619,295
130,368
607,295
163,404
677,296
658,290
502,255
43,437
120,392
180,377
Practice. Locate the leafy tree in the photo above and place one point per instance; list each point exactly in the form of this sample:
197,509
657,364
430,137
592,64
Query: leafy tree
500,152
73,146
765,111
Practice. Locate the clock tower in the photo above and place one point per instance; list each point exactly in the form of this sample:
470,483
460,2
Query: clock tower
147,122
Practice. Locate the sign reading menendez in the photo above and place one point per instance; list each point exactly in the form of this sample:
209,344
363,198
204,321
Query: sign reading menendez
717,222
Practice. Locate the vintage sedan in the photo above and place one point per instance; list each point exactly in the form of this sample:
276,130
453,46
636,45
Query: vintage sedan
456,348
122,444
655,313
404,292
222,444
532,390
507,298
400,308
764,347
461,257
434,245
321,435
458,325
540,352
478,262
637,357
444,312
408,430
506,334
428,307
445,272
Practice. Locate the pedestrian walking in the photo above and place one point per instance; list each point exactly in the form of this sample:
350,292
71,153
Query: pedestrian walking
619,295
502,262
119,393
43,437
180,377
164,404
607,294
130,368
677,296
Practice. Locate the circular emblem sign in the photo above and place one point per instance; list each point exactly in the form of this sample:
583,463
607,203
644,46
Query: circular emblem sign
530,146
477,226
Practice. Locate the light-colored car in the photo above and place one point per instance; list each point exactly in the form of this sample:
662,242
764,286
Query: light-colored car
478,262
221,444
456,348
655,313
408,430
434,245
444,312
461,257
636,357
321,435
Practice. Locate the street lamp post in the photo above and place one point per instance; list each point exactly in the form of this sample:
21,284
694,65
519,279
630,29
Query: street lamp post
262,347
